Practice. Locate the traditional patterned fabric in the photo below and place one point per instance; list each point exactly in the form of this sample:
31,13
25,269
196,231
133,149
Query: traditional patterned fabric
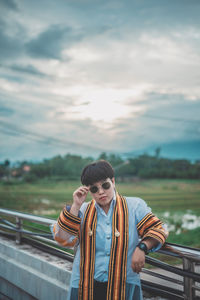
85,228
69,223
151,226
118,256
63,242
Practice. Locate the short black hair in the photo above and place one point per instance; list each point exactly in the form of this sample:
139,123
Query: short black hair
96,171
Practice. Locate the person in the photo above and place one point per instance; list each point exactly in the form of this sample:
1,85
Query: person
112,233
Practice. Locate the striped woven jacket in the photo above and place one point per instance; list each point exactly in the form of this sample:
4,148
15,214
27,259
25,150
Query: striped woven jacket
84,229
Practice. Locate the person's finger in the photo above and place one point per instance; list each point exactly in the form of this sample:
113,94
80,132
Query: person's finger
137,267
83,189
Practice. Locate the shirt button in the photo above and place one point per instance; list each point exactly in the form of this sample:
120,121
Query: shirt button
108,223
108,237
108,253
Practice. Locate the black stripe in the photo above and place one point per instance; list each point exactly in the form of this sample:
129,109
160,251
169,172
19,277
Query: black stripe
123,265
158,222
159,233
122,257
109,291
83,252
71,218
114,254
91,251
125,249
143,222
67,228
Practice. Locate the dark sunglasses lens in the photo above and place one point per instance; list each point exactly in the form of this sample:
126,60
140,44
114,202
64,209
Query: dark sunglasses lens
106,185
93,189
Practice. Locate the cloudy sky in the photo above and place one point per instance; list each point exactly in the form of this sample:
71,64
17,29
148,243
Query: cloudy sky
89,76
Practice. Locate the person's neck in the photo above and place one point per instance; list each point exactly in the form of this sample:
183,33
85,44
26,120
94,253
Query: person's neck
106,207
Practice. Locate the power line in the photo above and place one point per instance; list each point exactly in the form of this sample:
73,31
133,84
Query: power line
169,118
16,131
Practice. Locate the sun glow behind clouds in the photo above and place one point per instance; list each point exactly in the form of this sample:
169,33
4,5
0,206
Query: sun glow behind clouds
104,106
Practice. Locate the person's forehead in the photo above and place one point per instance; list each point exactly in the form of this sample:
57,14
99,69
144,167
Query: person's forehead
101,181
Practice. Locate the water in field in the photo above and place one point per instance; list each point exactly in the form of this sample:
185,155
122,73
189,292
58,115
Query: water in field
179,221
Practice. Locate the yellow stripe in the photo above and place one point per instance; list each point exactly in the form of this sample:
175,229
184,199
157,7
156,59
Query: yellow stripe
126,250
140,224
111,263
119,254
119,249
87,269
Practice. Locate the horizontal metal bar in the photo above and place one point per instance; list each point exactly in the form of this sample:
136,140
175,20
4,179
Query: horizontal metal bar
25,231
180,251
155,262
8,223
196,287
158,275
29,217
49,249
161,290
193,253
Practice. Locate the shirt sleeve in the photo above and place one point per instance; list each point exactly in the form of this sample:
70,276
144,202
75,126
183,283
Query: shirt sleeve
66,231
149,226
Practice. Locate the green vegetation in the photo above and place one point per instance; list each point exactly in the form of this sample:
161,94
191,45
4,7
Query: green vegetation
69,167
174,197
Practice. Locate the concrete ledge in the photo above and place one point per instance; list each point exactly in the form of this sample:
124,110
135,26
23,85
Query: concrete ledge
33,273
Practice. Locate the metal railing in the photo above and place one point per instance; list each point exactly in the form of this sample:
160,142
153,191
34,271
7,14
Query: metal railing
23,231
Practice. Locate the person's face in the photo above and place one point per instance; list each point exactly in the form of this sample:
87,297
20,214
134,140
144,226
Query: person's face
104,191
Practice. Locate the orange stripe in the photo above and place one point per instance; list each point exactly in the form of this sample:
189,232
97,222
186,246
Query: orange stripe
82,257
87,247
69,222
123,290
144,220
89,255
118,271
156,235
71,216
64,227
118,255
150,223
119,252
111,263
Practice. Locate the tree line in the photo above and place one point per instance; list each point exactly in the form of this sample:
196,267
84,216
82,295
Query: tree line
70,166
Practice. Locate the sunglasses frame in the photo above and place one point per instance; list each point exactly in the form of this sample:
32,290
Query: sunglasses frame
107,187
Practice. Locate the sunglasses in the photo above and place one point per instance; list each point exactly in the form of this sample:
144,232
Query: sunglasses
94,189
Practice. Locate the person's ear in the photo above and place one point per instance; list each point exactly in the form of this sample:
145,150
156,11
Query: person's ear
113,180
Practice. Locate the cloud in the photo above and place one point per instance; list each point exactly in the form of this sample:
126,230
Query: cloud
6,111
27,69
50,43
114,75
10,47
162,118
8,4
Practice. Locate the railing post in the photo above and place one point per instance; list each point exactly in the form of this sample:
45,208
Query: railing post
189,293
19,223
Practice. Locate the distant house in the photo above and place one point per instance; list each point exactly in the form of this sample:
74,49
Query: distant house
26,168
14,173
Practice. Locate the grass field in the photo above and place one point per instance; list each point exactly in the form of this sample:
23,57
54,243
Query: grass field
171,200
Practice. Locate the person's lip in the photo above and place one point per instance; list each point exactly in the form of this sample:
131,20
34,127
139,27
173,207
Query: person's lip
102,198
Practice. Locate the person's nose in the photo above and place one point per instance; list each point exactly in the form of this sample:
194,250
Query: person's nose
101,190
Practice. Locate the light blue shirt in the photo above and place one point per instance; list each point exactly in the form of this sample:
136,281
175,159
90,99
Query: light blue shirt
137,210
